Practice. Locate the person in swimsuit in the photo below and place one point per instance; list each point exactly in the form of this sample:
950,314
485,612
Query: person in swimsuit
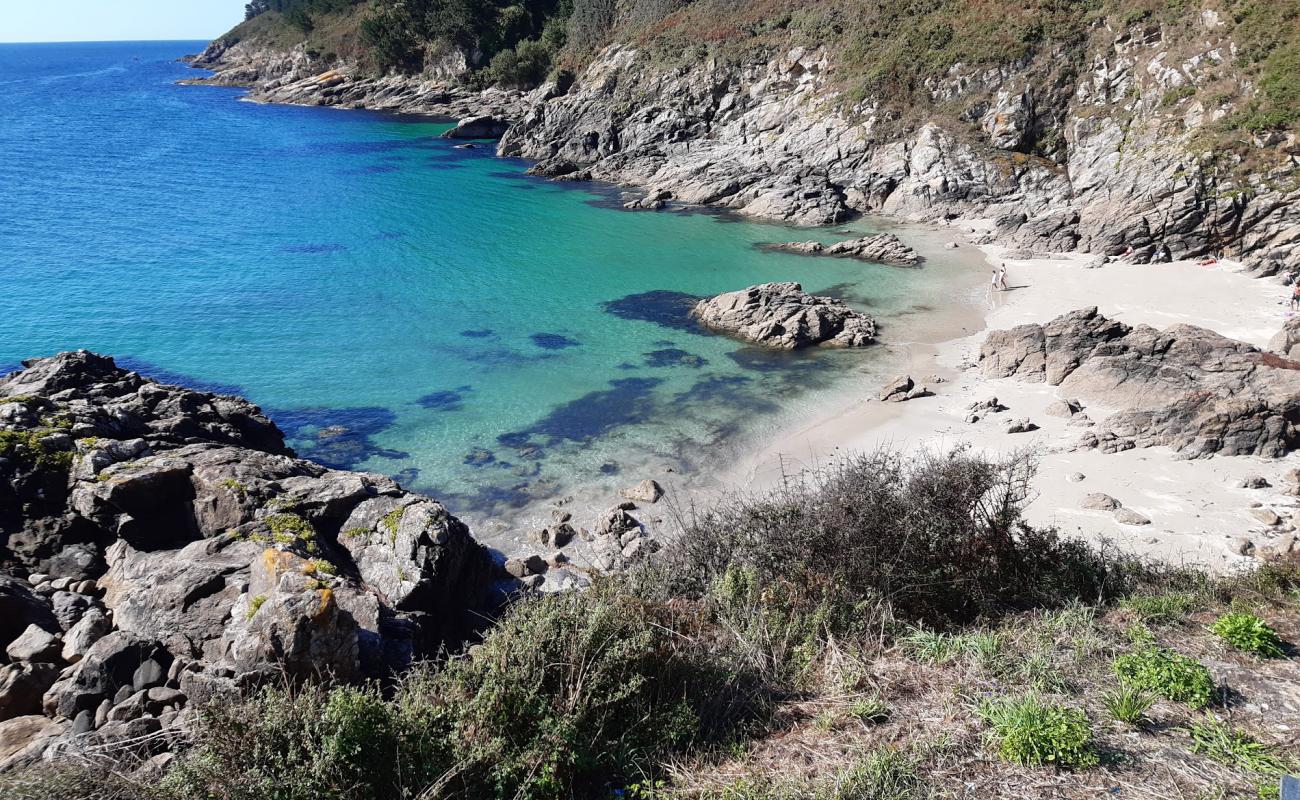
1295,297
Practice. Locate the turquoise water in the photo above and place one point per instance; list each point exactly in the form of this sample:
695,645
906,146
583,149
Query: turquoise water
396,304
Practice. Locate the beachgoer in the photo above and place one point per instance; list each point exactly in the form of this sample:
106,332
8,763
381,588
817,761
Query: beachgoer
1295,297
1002,276
997,277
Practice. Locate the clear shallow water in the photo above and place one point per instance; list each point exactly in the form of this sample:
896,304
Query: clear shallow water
397,305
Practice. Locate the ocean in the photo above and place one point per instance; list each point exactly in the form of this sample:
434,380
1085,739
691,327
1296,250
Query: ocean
395,304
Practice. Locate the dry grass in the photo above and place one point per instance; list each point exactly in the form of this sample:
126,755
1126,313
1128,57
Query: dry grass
933,715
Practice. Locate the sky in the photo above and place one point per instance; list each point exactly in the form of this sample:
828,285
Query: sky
110,20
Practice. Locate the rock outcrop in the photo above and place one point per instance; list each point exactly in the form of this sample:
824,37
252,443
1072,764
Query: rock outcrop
883,248
1044,146
163,546
785,317
1186,387
483,126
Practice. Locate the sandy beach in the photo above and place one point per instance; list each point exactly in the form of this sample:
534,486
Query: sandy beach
1198,513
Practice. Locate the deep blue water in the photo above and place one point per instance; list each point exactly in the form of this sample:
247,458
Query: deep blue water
396,304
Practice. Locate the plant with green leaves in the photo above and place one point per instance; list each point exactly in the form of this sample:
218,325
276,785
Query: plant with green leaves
1029,731
1167,673
1221,742
1248,633
1128,704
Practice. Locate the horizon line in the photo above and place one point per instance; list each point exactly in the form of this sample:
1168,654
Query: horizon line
114,41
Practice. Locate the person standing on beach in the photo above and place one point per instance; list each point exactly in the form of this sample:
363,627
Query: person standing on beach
1002,276
1295,297
997,278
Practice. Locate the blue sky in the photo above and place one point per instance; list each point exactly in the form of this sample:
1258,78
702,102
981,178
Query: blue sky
106,20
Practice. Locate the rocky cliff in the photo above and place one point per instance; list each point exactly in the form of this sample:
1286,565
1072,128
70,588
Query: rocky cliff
161,547
1114,136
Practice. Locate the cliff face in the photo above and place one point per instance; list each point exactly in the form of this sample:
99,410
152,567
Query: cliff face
774,140
1104,143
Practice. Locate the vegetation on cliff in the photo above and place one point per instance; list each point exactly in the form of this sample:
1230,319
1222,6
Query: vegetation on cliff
892,51
890,630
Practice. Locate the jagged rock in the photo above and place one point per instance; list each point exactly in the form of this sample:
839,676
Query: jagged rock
1253,482
92,627
616,522
35,644
20,608
483,126
23,685
1127,516
647,491
1021,426
1076,477
784,317
883,248
1099,502
1188,388
1286,342
897,388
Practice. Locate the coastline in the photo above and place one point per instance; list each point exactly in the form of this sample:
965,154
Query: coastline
1199,514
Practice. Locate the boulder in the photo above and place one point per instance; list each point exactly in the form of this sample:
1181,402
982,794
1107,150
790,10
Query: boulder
883,248
22,687
35,644
20,608
107,668
647,491
784,317
1099,502
1127,516
615,522
896,390
1187,388
483,126
1286,342
92,627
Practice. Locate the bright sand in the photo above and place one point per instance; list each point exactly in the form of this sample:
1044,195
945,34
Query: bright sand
1197,513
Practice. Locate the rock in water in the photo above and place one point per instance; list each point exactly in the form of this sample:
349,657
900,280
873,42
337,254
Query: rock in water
883,248
784,317
1188,388
483,126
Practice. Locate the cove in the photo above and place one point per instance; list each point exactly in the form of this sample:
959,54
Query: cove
397,305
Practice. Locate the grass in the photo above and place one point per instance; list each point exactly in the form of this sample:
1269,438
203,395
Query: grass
1032,732
1218,740
1165,607
1128,704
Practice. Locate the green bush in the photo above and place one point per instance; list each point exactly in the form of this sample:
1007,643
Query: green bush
1031,732
1171,675
564,695
1248,633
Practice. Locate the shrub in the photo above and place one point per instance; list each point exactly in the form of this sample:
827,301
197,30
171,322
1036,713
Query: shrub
1248,633
1127,704
936,538
1031,732
1171,675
